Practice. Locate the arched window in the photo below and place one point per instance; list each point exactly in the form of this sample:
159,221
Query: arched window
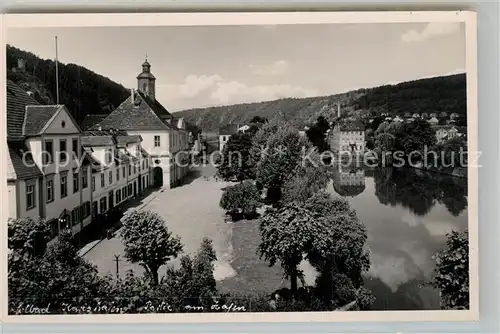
144,85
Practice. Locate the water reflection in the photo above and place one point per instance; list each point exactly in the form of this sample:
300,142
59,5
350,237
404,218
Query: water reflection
419,191
348,181
407,214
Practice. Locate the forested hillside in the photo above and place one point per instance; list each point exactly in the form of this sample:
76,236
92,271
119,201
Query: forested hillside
81,90
426,95
85,92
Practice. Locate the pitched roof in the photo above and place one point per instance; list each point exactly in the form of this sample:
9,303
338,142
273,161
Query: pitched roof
37,117
123,140
94,141
22,163
350,125
17,100
143,114
229,129
91,120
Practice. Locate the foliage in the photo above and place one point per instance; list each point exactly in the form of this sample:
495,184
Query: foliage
288,233
235,163
426,95
82,91
452,271
309,178
325,231
28,236
242,197
280,156
317,134
52,278
148,241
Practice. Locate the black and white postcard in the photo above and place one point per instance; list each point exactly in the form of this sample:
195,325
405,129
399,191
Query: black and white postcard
213,167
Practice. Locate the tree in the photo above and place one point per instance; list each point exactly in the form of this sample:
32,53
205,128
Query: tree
193,283
148,241
344,250
280,157
452,271
235,163
288,233
243,197
317,134
50,277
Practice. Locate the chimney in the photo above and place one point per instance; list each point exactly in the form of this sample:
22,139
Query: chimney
132,95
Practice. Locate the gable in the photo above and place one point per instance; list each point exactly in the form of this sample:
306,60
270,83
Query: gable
62,123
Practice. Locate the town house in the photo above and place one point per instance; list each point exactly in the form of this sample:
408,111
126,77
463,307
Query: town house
141,114
48,177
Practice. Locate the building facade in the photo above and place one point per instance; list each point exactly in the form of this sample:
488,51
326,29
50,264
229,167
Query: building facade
48,176
164,138
347,136
63,175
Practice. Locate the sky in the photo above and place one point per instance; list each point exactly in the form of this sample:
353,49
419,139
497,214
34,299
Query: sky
203,66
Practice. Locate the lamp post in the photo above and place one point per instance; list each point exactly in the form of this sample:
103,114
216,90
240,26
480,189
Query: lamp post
117,260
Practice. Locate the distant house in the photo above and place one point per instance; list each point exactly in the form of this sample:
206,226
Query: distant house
443,114
425,115
433,114
348,136
388,119
407,114
454,116
445,133
416,116
244,128
433,121
226,132
398,119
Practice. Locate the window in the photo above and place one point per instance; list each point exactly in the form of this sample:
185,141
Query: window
86,210
75,181
103,184
143,164
123,171
49,152
129,170
102,205
85,178
30,196
144,87
64,185
135,169
147,163
50,190
110,177
74,216
130,190
157,141
124,192
75,148
118,196
109,155
117,174
62,150
93,183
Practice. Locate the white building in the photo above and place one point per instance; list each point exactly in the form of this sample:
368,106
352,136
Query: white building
348,136
433,121
48,176
226,132
121,168
164,138
444,133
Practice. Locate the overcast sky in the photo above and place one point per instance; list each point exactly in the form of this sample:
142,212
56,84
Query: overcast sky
217,65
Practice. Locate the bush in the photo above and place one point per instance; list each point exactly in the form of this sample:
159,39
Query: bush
242,198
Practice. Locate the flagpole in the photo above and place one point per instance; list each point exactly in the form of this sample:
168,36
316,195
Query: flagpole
57,77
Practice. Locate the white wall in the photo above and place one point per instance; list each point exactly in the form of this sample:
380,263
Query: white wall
12,199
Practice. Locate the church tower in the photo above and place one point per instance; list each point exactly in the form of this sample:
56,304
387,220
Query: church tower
146,81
